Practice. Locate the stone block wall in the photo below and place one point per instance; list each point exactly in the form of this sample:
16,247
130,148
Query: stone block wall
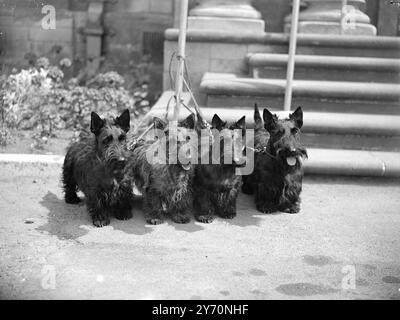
131,28
134,28
21,30
213,56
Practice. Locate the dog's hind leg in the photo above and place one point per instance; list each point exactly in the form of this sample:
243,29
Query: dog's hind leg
227,204
180,217
68,180
203,206
123,210
179,211
266,201
152,207
247,186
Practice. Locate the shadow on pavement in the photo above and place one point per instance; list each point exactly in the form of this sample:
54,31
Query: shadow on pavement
192,226
247,214
64,220
136,225
67,221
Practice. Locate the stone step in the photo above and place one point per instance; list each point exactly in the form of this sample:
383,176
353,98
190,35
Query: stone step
332,68
319,162
235,91
322,160
354,142
320,130
325,161
352,163
307,44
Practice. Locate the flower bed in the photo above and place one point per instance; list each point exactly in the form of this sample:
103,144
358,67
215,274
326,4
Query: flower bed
37,105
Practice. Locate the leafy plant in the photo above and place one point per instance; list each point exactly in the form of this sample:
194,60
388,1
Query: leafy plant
39,99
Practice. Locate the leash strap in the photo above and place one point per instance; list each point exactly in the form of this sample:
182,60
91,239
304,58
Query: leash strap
262,150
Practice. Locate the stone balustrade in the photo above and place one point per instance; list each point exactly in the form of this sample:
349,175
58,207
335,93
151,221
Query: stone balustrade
226,15
329,17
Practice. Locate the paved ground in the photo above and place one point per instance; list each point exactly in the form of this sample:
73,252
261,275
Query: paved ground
49,249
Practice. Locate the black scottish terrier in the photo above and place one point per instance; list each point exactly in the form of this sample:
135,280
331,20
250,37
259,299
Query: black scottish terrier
166,187
216,186
278,172
95,165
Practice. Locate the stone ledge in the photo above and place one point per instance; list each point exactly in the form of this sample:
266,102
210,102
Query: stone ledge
31,158
230,84
244,26
314,122
320,162
334,62
352,163
282,38
327,27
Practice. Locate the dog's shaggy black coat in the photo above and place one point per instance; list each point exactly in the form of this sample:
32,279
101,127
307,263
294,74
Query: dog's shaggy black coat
216,186
166,188
95,165
278,172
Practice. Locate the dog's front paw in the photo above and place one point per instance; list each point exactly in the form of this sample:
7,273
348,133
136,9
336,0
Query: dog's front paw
123,215
180,218
206,218
228,215
292,210
154,221
265,208
100,221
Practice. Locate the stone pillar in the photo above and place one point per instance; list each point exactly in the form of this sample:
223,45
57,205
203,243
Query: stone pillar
94,32
226,15
325,17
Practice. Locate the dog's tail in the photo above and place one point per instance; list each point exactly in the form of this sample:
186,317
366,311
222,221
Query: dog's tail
257,118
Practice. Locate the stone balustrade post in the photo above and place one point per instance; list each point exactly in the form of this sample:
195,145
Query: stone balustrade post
325,16
226,15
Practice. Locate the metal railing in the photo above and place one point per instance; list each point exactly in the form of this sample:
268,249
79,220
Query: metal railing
293,44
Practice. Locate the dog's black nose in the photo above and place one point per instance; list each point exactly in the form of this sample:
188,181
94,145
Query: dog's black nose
120,162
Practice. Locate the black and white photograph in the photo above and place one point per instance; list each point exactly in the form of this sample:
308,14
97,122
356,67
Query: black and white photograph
187,150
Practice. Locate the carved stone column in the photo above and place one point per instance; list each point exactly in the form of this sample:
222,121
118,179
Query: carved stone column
94,32
325,16
226,15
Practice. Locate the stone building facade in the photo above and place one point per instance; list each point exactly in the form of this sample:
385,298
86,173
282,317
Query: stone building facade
122,31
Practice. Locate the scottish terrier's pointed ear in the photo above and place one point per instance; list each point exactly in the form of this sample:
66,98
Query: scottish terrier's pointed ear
241,123
257,118
269,119
188,122
217,123
297,117
96,123
159,124
123,120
